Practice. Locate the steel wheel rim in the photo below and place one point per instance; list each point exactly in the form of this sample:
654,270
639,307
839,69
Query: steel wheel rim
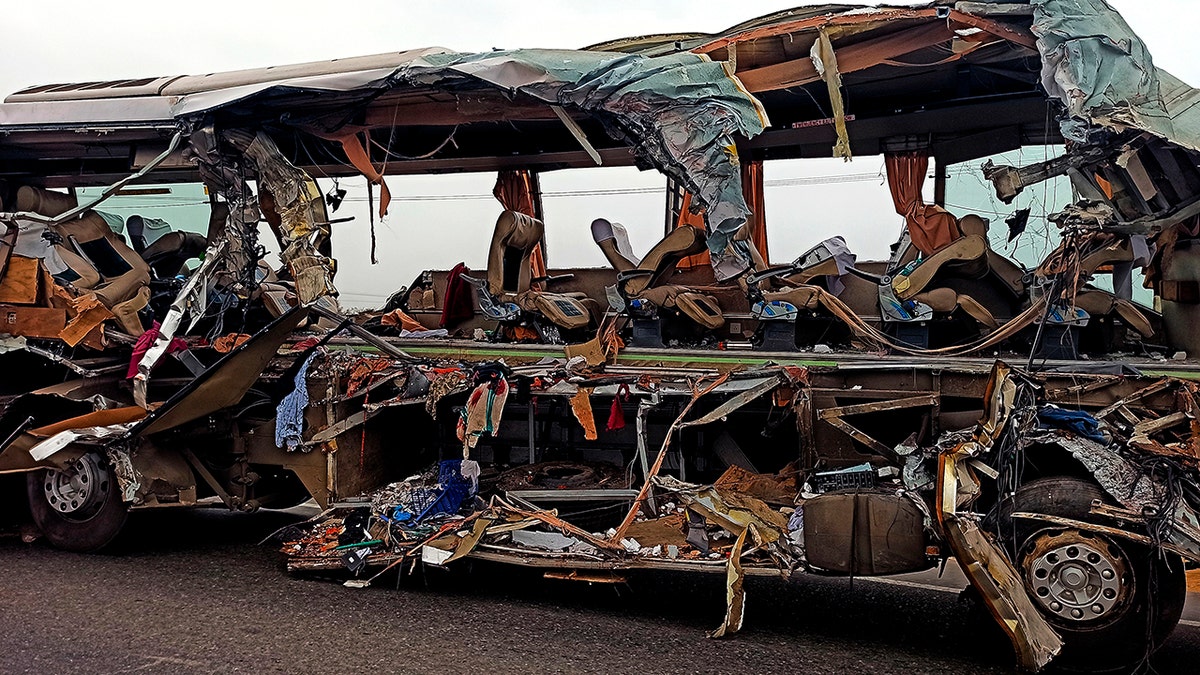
1076,578
79,491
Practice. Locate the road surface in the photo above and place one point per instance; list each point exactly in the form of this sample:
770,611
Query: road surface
190,591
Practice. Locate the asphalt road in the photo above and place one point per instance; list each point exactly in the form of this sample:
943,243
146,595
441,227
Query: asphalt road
191,592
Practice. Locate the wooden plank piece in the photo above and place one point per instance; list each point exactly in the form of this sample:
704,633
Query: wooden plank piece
879,406
858,435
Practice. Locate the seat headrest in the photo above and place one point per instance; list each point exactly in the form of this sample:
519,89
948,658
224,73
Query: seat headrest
972,224
604,230
518,231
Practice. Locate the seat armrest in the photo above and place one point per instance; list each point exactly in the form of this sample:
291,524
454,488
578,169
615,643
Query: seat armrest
633,274
770,273
554,278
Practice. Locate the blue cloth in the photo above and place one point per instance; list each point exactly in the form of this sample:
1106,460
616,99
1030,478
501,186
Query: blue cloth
455,489
1076,421
289,416
446,498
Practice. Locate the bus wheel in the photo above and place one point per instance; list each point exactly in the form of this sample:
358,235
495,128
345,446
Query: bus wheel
1113,601
78,508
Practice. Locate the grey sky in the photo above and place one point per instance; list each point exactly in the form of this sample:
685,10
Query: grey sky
76,40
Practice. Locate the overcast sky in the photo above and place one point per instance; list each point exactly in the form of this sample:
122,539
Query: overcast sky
76,40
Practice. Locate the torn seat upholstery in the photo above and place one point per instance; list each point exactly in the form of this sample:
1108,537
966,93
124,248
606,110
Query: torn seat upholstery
641,280
111,269
88,255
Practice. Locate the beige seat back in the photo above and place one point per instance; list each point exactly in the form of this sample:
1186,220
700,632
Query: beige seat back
679,244
513,240
123,273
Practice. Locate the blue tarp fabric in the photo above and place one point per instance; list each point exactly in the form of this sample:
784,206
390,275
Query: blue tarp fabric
1076,421
1103,73
446,498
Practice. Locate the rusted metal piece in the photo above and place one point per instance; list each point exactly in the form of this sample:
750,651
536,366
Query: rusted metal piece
589,577
697,394
879,406
1104,529
860,436
990,572
1136,397
226,382
833,417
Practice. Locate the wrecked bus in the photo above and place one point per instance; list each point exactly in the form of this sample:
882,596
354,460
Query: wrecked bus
694,407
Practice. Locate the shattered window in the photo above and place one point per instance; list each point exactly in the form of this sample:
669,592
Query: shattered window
967,191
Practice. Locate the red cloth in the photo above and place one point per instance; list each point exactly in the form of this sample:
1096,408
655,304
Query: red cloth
143,345
616,415
459,303
305,344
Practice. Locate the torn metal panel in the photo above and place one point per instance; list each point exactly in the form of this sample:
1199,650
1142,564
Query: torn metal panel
833,417
648,478
735,592
300,207
1003,590
191,301
734,511
1102,72
734,403
680,112
1132,486
458,545
60,443
989,569
226,381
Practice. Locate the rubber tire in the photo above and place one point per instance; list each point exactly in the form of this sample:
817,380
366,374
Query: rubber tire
1122,644
86,536
574,475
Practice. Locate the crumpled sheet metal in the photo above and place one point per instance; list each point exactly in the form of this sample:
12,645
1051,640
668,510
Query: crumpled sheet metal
988,568
298,204
681,112
1102,72
1124,481
129,480
745,516
1134,489
734,512
735,591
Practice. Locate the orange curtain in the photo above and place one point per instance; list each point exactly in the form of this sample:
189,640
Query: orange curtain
752,190
514,190
696,220
356,152
930,226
